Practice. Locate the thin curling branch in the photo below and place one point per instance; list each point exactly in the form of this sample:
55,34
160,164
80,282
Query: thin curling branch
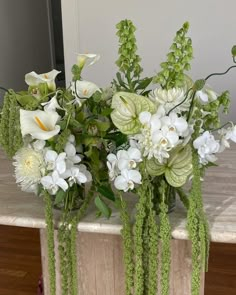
220,74
230,122
185,98
4,89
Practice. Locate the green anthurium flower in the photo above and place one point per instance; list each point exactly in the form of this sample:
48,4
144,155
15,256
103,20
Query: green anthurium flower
176,169
126,109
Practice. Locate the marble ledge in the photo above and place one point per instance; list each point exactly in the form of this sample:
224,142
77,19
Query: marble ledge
219,190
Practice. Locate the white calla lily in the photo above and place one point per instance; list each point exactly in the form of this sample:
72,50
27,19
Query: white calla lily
87,59
51,105
39,124
34,79
127,180
53,182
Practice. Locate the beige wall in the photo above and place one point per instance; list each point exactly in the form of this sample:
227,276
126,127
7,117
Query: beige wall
89,26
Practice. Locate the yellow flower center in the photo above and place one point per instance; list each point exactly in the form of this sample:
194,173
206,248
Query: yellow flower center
85,91
45,76
40,124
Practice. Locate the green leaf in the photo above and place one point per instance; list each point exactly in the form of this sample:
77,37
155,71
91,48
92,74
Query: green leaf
60,196
27,101
119,78
102,207
143,84
106,192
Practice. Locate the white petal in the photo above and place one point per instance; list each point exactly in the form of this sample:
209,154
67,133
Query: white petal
145,117
81,178
111,158
135,176
121,183
123,164
62,184
134,154
70,149
47,181
51,156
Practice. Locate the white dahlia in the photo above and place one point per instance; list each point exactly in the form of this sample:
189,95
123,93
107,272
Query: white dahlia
29,168
170,98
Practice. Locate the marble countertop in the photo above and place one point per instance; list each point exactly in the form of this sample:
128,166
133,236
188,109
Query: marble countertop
21,209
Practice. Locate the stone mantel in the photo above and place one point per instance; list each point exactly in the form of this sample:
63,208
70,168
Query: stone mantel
18,208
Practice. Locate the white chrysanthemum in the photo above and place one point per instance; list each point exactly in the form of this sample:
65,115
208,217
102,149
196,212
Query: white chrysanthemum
29,168
170,98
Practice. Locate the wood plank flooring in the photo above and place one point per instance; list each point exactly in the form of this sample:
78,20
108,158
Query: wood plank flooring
20,264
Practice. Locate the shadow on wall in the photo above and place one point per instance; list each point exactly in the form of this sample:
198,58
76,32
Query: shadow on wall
28,30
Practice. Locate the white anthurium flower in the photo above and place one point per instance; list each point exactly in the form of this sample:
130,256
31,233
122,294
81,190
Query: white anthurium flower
112,165
34,79
87,59
55,161
207,146
71,156
53,182
39,124
175,123
51,105
170,98
127,180
128,159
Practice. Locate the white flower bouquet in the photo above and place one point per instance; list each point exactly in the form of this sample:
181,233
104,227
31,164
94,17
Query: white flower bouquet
129,137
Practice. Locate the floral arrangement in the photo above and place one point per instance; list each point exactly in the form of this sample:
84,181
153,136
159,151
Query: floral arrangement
81,144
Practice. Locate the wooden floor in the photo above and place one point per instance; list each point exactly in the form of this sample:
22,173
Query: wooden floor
20,265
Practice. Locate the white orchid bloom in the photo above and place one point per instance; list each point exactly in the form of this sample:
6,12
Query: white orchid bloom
51,105
127,180
55,161
128,159
53,182
87,59
207,146
39,124
71,156
34,79
112,164
206,95
231,133
74,175
150,121
83,169
175,123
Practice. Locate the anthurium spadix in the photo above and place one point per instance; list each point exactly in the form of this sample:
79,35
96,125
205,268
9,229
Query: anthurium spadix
34,79
127,107
39,124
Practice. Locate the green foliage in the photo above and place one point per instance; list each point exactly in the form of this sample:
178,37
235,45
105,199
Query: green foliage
165,237
128,61
10,133
197,223
178,61
62,140
213,109
50,241
102,207
127,240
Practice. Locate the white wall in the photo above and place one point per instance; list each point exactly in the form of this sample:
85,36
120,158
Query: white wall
89,26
